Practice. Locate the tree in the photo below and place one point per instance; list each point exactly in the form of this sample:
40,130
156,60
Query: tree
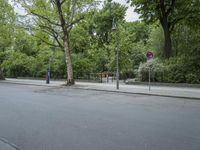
6,29
169,13
57,18
101,30
156,40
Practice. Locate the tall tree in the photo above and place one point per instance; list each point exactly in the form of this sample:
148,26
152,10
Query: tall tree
6,29
169,13
57,18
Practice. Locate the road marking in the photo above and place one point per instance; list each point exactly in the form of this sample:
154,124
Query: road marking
9,143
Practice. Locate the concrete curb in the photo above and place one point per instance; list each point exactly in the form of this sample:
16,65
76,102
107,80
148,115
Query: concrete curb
104,90
33,84
140,93
165,84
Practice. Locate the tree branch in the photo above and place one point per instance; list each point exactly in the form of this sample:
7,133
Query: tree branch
45,41
73,10
57,40
53,34
63,2
45,18
170,8
162,7
48,28
69,26
60,12
173,23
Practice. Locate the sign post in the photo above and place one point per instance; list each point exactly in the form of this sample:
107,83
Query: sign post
149,79
149,56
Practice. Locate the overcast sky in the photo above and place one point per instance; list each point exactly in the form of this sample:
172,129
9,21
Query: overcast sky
130,14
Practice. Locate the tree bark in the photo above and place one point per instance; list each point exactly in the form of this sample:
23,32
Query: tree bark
166,28
70,79
168,41
1,75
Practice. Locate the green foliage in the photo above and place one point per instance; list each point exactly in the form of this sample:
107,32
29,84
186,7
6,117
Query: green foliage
82,67
169,13
193,78
57,63
156,41
18,64
24,42
156,69
174,70
174,10
93,44
103,20
99,57
7,19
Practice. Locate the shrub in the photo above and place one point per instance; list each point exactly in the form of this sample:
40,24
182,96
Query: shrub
174,70
156,68
192,78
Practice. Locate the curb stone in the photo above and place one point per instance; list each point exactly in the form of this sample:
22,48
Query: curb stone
140,93
104,90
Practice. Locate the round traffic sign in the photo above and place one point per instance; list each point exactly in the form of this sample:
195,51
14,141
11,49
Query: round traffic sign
149,55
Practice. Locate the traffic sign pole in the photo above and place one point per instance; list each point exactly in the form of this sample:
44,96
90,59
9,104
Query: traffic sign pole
149,56
149,79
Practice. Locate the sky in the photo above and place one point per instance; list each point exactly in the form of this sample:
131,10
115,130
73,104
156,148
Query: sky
130,14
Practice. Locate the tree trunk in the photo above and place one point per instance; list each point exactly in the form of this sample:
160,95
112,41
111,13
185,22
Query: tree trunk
168,41
1,75
70,79
166,28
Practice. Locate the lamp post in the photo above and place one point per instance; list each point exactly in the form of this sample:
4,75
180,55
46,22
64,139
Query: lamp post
48,72
114,28
117,72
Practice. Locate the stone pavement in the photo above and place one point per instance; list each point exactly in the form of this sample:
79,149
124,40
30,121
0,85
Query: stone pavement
166,91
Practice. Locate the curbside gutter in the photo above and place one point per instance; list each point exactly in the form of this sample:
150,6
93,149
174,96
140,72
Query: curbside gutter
86,87
164,84
140,93
31,84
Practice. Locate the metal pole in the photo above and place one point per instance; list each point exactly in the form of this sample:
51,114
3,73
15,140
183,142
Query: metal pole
117,73
149,79
49,74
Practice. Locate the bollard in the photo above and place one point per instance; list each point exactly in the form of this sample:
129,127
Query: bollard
47,77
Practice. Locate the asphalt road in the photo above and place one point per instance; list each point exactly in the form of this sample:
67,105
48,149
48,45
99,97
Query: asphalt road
42,118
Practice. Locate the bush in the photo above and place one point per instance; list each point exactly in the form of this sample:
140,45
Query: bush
157,71
18,64
192,78
174,70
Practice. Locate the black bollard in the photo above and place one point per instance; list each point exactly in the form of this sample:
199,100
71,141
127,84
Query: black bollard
47,77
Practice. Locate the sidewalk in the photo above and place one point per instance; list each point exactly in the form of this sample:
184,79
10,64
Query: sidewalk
166,91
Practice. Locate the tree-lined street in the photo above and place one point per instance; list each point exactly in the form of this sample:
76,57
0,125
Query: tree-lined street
66,66
74,39
37,117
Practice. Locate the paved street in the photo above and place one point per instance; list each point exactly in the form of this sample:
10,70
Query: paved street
63,118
